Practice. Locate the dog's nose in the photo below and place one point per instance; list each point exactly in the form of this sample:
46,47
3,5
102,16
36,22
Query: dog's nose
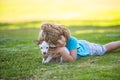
44,52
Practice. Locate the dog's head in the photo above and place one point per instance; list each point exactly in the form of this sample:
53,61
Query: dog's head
44,46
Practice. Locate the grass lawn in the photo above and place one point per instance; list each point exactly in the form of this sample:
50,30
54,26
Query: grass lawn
20,58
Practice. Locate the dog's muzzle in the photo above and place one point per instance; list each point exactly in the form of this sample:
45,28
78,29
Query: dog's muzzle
44,53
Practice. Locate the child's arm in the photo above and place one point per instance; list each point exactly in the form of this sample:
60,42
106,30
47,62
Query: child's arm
67,57
73,53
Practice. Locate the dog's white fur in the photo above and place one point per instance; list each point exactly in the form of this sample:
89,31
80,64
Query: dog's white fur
44,46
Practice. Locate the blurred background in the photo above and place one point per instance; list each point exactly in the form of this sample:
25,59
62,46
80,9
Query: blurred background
66,12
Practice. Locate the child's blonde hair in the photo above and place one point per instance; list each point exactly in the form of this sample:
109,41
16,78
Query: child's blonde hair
52,32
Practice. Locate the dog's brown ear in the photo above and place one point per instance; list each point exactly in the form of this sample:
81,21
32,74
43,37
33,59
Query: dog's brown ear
36,42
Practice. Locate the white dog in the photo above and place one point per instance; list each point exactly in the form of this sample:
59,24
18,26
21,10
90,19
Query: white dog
44,47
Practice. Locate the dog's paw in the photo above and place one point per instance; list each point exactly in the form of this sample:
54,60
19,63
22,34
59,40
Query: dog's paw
44,62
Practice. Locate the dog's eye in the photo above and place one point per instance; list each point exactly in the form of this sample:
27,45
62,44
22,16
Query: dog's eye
41,48
46,47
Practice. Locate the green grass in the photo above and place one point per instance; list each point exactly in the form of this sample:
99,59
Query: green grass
20,58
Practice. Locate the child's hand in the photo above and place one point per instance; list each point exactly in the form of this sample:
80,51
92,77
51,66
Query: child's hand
53,50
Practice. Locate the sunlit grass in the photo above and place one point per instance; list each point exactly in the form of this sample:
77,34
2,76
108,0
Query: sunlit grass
92,30
67,23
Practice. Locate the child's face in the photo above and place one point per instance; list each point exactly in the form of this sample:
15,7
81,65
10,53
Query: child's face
61,42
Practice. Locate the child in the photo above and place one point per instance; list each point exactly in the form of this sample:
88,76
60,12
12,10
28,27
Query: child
59,36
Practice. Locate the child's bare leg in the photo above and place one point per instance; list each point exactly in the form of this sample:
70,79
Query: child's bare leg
112,46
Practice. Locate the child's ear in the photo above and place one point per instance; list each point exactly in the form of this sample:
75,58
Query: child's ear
36,42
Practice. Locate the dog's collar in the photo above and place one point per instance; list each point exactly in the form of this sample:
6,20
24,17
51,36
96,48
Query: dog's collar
52,45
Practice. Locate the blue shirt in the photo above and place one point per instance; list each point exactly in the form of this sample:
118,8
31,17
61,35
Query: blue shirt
82,49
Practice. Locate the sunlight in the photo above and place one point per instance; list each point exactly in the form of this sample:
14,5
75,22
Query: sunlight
91,31
34,10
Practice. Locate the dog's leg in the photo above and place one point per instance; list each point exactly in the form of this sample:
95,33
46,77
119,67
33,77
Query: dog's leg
61,59
43,60
48,59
